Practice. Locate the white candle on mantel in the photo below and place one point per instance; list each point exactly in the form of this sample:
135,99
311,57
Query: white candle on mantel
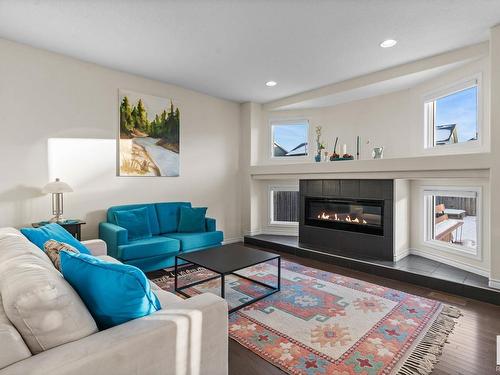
344,149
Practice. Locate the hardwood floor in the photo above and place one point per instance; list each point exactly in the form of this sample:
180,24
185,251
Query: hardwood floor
471,348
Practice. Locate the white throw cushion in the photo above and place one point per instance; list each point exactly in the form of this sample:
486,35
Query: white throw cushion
13,348
42,306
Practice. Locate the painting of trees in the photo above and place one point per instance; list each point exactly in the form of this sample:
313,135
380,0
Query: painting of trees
134,122
148,125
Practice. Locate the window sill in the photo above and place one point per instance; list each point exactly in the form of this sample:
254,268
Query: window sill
454,249
283,224
473,147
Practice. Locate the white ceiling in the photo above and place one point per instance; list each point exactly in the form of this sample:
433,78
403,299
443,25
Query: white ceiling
231,48
380,88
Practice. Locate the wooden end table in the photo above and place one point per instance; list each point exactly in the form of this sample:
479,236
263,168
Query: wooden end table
72,226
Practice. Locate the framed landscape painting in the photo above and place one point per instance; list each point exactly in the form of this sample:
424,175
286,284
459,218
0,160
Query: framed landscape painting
148,135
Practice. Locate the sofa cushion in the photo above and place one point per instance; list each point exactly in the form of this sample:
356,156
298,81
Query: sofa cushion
136,222
114,293
14,244
192,220
153,219
168,215
197,240
13,347
42,306
148,247
166,298
52,231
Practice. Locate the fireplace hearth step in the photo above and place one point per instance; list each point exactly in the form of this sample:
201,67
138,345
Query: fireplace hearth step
411,269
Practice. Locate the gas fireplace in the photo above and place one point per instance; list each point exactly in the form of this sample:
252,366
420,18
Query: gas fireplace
365,216
347,217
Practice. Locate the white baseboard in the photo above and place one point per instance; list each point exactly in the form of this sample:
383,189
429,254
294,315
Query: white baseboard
232,240
402,254
463,266
252,232
493,283
283,231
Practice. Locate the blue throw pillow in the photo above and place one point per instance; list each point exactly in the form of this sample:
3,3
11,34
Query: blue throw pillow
54,232
114,293
136,221
192,219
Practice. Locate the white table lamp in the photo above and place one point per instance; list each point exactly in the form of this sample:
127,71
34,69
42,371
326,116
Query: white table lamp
57,188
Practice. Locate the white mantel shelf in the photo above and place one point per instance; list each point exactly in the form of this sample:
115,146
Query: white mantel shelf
449,166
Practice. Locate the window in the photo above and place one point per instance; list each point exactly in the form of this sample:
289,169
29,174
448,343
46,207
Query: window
452,116
452,219
284,205
290,138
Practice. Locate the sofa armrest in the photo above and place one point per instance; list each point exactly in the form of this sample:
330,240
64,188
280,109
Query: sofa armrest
114,236
96,247
210,224
190,338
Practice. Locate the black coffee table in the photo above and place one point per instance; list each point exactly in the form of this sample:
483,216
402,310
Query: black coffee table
226,260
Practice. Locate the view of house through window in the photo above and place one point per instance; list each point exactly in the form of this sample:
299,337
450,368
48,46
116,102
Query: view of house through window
290,139
284,205
453,219
453,118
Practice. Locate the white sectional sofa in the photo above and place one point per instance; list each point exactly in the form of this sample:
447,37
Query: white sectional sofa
46,329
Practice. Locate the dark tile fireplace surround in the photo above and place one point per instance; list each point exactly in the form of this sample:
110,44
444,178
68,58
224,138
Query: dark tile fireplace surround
353,218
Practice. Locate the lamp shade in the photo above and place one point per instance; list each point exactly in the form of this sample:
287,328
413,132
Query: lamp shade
57,186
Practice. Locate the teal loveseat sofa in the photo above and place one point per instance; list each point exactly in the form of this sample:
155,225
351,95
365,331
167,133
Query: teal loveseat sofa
159,250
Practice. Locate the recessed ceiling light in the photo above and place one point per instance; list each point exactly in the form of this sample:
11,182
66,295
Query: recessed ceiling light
388,43
271,83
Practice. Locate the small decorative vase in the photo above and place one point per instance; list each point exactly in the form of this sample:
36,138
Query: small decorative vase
317,158
378,153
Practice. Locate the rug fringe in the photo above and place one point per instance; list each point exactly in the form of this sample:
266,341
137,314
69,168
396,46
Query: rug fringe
426,354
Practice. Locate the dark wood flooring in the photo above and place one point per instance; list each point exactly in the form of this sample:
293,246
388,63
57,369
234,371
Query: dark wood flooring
472,344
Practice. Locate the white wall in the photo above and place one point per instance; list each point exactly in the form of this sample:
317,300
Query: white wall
59,118
395,120
495,156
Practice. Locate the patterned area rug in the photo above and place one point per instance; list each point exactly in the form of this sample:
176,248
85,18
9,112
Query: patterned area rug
324,323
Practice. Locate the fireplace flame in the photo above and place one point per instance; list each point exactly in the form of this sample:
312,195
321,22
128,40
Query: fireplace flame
335,217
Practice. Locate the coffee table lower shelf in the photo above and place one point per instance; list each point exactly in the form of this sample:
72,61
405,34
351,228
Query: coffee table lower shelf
272,289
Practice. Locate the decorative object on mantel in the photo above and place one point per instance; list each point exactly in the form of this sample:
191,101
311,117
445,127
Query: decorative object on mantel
343,156
319,145
326,323
335,155
357,147
378,152
57,188
325,155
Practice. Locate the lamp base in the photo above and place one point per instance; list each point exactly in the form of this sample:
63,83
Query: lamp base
57,219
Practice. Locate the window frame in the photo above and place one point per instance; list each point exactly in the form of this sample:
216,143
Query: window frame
427,193
292,122
271,221
429,145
